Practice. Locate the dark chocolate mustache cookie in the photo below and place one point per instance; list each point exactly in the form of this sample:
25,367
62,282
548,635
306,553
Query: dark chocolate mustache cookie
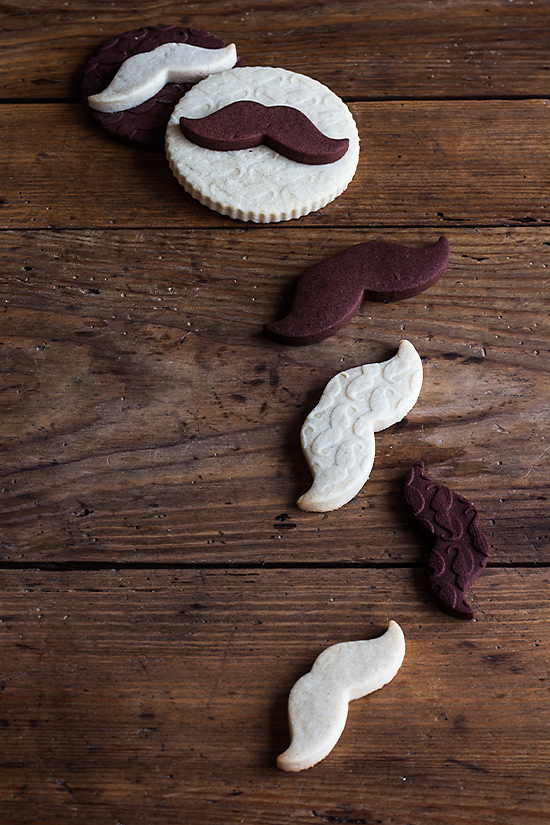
459,550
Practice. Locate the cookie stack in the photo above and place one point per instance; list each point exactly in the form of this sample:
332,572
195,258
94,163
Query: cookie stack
255,143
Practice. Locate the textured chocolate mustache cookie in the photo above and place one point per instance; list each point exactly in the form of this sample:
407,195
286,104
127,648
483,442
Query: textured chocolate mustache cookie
258,182
144,123
459,550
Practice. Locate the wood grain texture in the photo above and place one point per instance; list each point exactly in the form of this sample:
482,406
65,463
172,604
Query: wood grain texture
161,697
161,592
146,416
362,50
422,163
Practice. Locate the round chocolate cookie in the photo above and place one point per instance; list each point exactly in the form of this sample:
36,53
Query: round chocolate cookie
144,125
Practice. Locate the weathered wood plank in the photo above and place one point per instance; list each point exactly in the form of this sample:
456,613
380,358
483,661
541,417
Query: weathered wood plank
146,422
364,50
422,163
145,416
161,697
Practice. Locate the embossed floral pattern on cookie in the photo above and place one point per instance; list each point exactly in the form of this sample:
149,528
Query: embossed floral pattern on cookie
258,184
338,435
459,552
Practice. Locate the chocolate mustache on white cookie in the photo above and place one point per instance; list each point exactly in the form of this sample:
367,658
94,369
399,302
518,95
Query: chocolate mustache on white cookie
247,123
258,183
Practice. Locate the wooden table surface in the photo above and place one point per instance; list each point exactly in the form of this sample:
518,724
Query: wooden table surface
160,590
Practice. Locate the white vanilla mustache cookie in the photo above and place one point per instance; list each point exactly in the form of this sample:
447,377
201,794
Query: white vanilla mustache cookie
143,75
318,702
338,435
131,85
262,144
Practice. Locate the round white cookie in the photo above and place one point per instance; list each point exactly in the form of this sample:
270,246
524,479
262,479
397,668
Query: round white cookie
259,184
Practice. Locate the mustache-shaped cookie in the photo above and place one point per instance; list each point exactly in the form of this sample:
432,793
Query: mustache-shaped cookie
318,702
459,553
329,293
247,123
338,435
143,75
